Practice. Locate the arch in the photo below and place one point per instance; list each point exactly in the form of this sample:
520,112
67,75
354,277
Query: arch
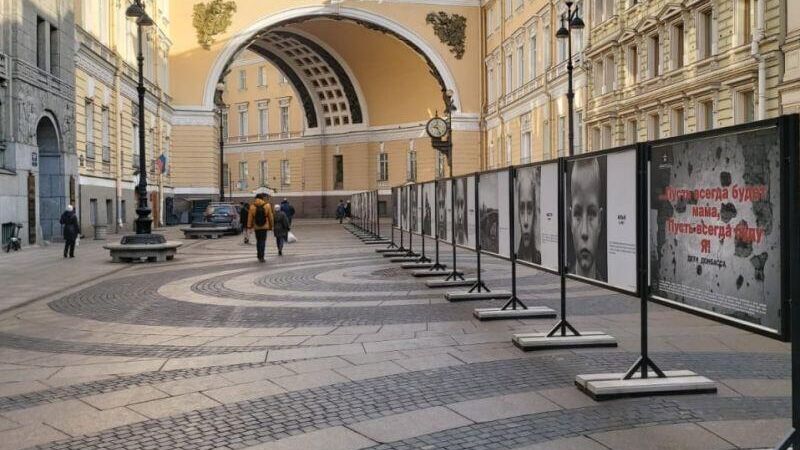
243,38
47,131
52,177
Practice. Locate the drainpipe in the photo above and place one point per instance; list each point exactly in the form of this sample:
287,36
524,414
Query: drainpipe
755,51
118,139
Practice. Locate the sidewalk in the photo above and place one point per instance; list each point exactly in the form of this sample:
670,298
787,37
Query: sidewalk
39,271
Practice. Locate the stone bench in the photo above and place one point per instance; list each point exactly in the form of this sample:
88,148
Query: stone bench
137,252
208,232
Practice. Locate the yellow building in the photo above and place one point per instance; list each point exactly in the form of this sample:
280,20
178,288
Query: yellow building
106,111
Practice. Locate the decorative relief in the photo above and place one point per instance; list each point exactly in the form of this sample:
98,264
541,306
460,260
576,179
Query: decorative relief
211,19
451,30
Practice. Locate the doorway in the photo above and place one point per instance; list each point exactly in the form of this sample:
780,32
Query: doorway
338,174
52,181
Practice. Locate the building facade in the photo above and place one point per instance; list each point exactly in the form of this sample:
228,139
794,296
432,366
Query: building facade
106,113
38,161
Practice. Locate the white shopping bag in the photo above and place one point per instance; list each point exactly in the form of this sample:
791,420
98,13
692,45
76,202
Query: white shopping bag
291,238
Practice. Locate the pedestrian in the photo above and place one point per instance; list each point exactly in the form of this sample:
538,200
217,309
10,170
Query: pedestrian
341,210
243,215
347,210
260,219
71,230
281,228
287,209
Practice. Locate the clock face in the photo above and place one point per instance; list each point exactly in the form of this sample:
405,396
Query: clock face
436,127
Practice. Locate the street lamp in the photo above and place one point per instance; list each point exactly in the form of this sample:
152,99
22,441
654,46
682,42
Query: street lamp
143,221
570,20
220,103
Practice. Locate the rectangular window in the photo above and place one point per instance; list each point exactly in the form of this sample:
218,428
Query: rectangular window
106,134
383,167
632,131
89,126
42,43
533,56
654,56
676,47
242,79
705,34
286,174
93,211
54,59
242,122
705,115
525,148
633,65
599,10
2,155
411,169
263,173
678,119
608,136
597,141
285,120
653,127
509,74
109,212
262,75
520,65
598,74
263,121
561,50
745,106
610,77
242,175
509,154
745,20
578,132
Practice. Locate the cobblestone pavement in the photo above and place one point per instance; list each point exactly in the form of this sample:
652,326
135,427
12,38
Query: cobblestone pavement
334,347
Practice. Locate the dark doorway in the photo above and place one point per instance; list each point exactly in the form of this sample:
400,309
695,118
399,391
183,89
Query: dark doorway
338,174
52,181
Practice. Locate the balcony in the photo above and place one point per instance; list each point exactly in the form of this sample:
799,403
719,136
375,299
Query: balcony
43,80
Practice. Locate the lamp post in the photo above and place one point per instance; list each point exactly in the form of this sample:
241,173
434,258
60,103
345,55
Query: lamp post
143,221
447,96
570,20
220,110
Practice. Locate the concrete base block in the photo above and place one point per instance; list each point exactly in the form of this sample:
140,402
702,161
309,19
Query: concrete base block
533,312
394,254
540,341
143,252
377,241
430,273
386,250
449,283
416,265
403,259
469,296
604,386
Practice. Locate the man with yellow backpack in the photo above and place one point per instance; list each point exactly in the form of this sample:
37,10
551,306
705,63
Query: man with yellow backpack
261,220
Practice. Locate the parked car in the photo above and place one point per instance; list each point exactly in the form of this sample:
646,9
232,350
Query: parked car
222,215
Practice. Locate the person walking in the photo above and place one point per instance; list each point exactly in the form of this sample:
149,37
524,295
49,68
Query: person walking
281,228
71,230
243,215
260,219
341,211
287,209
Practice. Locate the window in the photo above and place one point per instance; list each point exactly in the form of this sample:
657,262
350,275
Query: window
54,50
242,122
632,131
411,165
745,106
677,121
89,126
654,56
608,136
109,212
561,130
490,79
286,173
509,152
508,9
653,127
263,173
596,138
533,56
561,50
242,175
263,120
285,120
242,79
262,75
599,10
745,17
705,34
676,45
525,147
383,167
520,65
123,215
633,65
578,132
610,76
93,211
705,115
106,136
598,73
546,44
509,73
42,44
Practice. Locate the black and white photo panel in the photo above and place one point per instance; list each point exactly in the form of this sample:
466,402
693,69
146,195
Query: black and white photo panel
460,213
428,208
488,213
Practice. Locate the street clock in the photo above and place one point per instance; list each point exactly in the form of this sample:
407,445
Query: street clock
436,128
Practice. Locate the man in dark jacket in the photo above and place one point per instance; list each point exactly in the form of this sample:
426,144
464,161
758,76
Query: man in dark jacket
287,209
280,228
71,230
340,211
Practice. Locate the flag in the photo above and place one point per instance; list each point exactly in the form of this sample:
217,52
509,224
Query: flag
161,163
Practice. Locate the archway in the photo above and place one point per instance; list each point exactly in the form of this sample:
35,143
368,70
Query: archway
52,179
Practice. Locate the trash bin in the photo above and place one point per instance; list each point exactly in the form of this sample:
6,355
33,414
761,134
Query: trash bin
100,232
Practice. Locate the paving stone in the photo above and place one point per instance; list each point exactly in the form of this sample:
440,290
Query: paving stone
78,423
760,388
174,405
568,397
577,443
215,360
29,435
411,424
502,407
339,438
196,384
428,362
373,370
685,436
245,391
750,433
314,365
124,397
256,374
309,380
314,352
